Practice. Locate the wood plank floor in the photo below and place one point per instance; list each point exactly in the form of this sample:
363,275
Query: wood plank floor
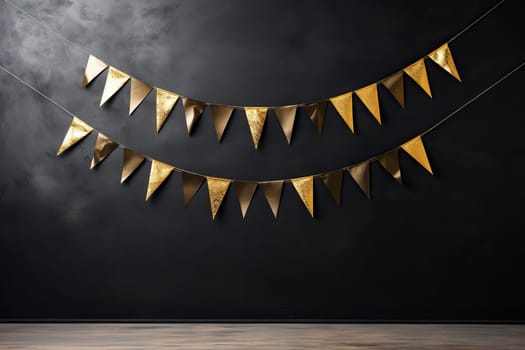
259,336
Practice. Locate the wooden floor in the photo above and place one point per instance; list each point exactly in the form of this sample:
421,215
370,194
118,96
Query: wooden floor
259,336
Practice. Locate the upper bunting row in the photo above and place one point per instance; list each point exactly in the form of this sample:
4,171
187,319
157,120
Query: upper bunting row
256,116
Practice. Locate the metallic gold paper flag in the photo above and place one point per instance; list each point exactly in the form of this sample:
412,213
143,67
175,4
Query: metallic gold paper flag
193,111
418,72
256,117
159,172
272,191
132,160
165,102
334,183
395,84
416,150
343,105
103,148
390,161
368,95
190,185
94,67
217,189
305,189
76,132
286,117
361,175
138,92
245,192
221,116
115,80
316,112
443,57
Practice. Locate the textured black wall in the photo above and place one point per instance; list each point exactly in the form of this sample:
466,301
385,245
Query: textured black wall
76,244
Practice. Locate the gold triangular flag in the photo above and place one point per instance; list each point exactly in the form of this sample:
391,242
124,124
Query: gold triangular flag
192,110
76,132
286,117
132,160
217,189
316,112
165,102
416,149
256,117
159,172
368,95
418,72
138,92
103,148
190,185
272,191
115,80
343,105
245,192
334,183
443,57
361,175
305,189
221,116
94,67
390,161
395,84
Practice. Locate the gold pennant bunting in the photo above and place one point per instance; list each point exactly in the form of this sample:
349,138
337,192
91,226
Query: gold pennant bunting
443,57
190,185
217,189
103,148
361,175
272,191
132,160
115,80
245,192
418,72
221,116
368,95
94,67
256,117
159,172
76,132
416,150
286,117
395,84
334,183
138,92
316,113
305,189
390,161
192,110
343,105
165,102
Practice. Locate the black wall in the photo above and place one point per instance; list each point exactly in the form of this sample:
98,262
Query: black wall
76,244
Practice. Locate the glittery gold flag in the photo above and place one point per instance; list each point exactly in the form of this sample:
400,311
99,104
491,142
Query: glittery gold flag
221,116
190,185
368,95
94,67
286,117
361,175
316,113
245,192
217,189
159,172
76,132
418,72
132,160
443,57
334,183
192,110
390,161
138,92
115,80
416,150
305,189
272,191
343,105
103,148
395,84
256,117
165,102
